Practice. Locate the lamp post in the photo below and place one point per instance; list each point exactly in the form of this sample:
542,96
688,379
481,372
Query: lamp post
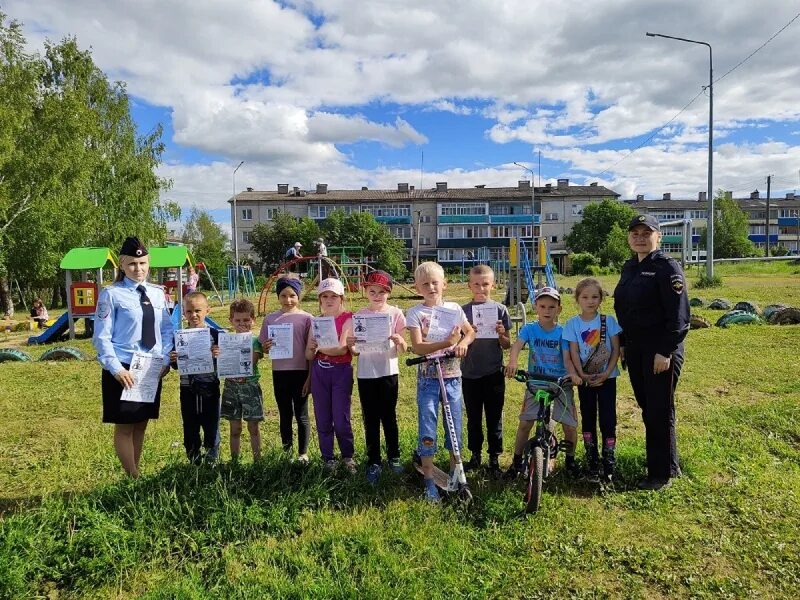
533,201
235,232
419,222
709,192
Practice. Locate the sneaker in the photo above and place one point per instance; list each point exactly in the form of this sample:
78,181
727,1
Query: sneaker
350,464
514,471
331,464
592,469
395,465
494,467
303,459
654,485
473,463
572,467
373,474
431,492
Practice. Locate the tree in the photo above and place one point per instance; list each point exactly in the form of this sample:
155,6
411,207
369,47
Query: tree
271,240
731,227
598,231
208,241
73,170
361,229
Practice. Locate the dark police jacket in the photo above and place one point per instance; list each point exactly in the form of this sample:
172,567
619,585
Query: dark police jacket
651,303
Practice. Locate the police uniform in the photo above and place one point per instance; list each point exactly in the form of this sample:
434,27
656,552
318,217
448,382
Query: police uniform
118,334
651,304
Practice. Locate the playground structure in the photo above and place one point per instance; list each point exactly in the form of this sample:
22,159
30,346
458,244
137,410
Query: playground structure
164,259
239,279
82,293
525,262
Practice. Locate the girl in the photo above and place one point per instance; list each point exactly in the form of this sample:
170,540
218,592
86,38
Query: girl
39,313
378,378
290,376
594,348
332,378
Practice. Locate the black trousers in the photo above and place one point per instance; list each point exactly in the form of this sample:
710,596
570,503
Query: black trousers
599,401
199,413
655,395
485,395
288,389
379,407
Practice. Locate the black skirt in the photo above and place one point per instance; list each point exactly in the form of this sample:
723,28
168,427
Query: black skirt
122,412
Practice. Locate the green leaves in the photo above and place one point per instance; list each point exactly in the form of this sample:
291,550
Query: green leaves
602,232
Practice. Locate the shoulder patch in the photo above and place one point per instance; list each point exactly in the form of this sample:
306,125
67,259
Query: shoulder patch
103,309
676,282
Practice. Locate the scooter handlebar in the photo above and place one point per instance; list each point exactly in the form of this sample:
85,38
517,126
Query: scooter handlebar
421,359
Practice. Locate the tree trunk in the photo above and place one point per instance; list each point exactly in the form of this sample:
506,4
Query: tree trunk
6,302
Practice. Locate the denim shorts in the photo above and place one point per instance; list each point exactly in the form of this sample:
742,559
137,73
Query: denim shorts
242,401
428,393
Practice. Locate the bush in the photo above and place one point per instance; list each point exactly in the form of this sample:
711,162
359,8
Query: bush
582,263
704,281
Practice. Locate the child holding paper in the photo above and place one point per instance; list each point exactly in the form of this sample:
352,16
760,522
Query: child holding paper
378,373
332,374
242,399
290,374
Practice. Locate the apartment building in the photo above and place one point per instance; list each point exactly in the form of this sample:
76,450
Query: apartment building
784,220
441,223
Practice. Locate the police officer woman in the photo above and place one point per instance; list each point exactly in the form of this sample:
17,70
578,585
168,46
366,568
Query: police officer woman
131,317
652,308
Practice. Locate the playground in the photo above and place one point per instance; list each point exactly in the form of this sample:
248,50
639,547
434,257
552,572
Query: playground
729,528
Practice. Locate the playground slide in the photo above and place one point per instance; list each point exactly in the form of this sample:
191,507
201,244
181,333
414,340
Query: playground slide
52,333
177,324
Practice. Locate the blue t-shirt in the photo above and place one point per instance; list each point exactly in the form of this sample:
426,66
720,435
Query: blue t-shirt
544,349
587,336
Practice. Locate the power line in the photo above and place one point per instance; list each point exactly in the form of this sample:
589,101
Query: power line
702,90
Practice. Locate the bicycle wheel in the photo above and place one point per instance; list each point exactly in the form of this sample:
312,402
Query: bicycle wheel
533,492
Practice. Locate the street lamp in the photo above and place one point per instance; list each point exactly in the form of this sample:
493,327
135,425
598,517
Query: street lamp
419,222
235,232
709,192
533,201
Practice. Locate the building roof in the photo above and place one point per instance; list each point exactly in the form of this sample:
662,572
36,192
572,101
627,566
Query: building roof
474,193
744,203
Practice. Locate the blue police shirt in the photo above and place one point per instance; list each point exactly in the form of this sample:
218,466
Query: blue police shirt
544,349
118,324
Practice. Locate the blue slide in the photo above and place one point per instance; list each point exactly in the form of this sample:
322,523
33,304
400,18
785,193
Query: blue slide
52,333
176,320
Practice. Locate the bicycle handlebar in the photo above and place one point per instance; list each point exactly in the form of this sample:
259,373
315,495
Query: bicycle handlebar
421,359
524,376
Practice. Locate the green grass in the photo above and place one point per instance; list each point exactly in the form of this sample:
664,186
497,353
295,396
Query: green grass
72,526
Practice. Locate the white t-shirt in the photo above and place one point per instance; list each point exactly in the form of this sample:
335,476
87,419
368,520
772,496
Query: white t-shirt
587,335
381,364
419,317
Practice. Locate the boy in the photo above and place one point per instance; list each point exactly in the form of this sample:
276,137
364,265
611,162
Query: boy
550,356
199,394
430,283
242,398
482,371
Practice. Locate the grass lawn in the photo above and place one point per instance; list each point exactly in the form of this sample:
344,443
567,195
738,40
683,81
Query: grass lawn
71,526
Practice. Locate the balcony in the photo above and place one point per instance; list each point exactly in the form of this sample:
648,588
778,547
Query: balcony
762,238
473,243
513,219
789,221
394,220
462,219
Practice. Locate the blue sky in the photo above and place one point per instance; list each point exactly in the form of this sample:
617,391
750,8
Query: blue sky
353,93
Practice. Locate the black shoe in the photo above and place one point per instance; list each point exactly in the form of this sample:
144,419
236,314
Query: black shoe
494,467
592,469
571,466
514,471
474,463
654,485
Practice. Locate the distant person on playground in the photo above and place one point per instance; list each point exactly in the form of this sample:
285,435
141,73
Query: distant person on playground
199,394
192,280
332,378
322,254
293,253
242,399
131,317
378,383
482,376
39,313
594,348
548,355
430,282
290,376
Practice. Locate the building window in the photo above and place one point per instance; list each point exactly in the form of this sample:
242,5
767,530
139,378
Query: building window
667,215
577,210
401,232
246,236
510,209
247,214
758,230
790,212
553,239
698,214
425,219
462,208
424,241
323,211
672,248
387,210
551,217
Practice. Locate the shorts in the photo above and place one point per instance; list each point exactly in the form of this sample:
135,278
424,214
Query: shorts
428,403
242,401
563,409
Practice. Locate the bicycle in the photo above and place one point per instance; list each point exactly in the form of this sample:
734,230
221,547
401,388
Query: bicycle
457,481
541,449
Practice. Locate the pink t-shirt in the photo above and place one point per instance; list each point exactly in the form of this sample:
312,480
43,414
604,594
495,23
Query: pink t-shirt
301,326
340,320
381,364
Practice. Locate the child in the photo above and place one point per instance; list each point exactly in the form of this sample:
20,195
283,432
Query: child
290,376
242,398
430,282
378,378
594,347
332,378
482,372
39,313
199,394
546,355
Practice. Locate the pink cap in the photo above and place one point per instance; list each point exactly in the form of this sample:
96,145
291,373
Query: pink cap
331,284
